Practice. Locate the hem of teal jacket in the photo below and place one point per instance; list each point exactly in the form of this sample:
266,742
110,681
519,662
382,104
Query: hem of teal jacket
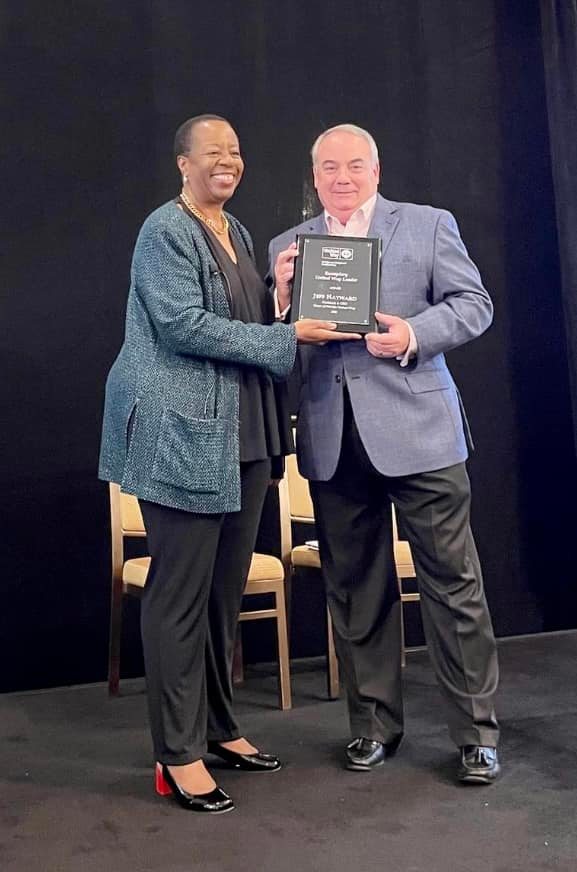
186,501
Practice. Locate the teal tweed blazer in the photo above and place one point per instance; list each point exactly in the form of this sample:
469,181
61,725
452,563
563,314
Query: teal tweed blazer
170,430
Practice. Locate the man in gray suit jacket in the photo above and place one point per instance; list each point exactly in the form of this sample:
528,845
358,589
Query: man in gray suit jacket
380,421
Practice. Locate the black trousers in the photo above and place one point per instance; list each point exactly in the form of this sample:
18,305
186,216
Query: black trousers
189,617
353,515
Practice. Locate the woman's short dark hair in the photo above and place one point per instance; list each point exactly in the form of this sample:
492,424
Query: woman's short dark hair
183,137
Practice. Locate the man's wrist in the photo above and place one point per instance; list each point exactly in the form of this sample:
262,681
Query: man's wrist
411,350
282,303
284,297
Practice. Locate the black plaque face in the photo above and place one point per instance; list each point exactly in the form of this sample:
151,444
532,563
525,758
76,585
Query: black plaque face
337,279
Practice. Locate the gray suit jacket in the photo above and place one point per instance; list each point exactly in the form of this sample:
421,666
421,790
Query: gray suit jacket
410,419
171,432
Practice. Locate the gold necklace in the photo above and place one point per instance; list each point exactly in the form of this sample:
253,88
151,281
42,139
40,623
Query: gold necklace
210,222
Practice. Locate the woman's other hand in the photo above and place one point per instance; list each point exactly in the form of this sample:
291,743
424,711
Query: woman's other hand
314,332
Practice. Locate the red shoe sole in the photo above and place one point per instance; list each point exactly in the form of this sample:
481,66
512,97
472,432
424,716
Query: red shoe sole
160,784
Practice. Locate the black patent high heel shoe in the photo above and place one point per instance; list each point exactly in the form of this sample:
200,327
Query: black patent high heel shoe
256,762
215,802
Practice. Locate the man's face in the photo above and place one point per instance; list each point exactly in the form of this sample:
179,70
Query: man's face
343,172
214,166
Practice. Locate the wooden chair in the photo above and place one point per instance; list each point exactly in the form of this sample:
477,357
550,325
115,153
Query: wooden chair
296,506
266,576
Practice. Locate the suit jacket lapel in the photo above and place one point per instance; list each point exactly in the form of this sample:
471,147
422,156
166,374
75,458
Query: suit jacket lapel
317,225
384,223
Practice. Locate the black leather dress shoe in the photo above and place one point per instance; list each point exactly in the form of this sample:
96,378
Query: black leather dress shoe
364,755
215,802
247,762
479,765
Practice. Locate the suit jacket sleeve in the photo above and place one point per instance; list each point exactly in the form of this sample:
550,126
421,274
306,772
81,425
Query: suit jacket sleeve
461,307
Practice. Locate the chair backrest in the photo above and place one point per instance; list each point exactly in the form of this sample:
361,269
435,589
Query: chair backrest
125,521
296,505
301,505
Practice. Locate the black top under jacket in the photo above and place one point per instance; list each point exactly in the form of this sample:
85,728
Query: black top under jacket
264,422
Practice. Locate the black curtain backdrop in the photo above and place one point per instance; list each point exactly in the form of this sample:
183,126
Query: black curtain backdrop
454,92
559,24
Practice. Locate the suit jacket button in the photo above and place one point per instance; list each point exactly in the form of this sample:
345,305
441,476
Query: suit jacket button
338,379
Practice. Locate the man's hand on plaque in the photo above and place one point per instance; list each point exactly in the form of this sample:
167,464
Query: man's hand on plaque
394,342
284,270
313,332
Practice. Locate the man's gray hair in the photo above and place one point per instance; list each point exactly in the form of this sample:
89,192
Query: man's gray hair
347,128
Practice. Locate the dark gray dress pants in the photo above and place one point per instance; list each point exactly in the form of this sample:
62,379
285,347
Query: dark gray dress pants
353,514
189,616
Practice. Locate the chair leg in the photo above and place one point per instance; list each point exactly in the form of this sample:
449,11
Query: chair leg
285,696
333,664
114,640
288,593
237,659
403,649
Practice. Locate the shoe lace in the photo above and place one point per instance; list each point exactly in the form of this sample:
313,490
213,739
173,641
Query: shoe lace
482,757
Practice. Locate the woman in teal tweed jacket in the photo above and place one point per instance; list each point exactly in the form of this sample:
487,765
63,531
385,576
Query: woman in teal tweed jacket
175,379
171,437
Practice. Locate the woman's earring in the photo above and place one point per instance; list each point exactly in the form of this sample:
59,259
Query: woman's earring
184,180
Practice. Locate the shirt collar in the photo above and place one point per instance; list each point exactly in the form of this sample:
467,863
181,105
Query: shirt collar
364,212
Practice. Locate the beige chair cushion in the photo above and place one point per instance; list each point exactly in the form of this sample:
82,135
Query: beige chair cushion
308,557
135,571
263,567
302,555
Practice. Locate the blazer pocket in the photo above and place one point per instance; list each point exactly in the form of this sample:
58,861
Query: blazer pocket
429,380
130,424
189,452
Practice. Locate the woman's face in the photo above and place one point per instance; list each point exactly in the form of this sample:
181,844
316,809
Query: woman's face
213,165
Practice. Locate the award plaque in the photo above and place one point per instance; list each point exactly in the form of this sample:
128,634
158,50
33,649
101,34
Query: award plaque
337,279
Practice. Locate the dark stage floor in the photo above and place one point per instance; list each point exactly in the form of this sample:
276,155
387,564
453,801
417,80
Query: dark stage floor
76,783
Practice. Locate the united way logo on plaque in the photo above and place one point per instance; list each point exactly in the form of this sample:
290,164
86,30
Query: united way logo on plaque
334,253
337,279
